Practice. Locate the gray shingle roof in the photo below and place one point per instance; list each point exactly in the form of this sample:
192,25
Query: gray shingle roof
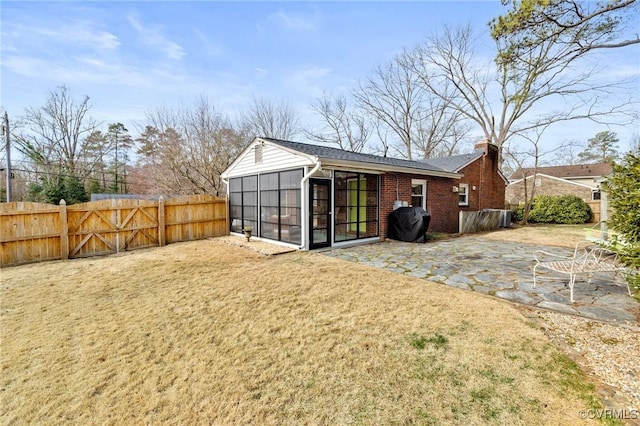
576,170
325,152
454,163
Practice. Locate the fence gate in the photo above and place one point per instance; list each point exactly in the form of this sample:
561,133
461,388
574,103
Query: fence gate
111,226
35,232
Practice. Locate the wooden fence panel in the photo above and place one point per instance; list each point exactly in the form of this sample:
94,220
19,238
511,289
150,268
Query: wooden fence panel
595,209
33,232
29,232
194,218
477,221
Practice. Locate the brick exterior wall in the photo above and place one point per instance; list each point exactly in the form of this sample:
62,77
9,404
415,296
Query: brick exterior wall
442,202
548,186
483,174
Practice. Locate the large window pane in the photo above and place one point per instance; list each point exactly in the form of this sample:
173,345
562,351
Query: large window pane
291,179
250,183
243,203
235,204
280,200
356,206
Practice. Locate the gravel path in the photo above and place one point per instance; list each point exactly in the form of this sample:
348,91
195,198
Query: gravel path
610,352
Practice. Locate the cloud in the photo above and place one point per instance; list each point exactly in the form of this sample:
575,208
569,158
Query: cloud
151,35
207,47
295,21
77,32
308,80
76,69
261,72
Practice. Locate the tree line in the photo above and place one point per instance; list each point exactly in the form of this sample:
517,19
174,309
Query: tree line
425,102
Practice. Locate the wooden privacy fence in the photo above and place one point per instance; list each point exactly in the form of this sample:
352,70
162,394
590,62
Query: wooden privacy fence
35,232
484,220
595,209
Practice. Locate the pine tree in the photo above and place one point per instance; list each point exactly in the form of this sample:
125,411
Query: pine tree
602,148
73,190
623,189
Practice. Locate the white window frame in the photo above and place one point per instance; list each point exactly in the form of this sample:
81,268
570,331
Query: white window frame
465,192
422,182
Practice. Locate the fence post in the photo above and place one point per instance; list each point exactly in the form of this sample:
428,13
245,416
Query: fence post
64,231
161,228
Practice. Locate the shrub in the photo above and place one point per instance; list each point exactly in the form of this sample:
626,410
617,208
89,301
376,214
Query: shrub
563,209
623,188
518,214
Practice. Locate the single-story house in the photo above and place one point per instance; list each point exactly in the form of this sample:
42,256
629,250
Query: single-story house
312,196
582,180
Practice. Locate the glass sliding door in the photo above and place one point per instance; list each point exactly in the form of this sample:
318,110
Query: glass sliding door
356,206
320,213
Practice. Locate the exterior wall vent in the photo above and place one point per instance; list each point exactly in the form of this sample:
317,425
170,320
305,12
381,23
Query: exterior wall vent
258,154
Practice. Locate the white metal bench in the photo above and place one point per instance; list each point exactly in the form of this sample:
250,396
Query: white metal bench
587,258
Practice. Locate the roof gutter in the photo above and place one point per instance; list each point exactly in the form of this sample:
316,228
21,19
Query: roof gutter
387,168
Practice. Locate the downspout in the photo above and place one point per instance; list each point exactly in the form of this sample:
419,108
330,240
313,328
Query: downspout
481,189
226,183
305,205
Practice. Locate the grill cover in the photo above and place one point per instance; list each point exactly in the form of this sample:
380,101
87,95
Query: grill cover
408,224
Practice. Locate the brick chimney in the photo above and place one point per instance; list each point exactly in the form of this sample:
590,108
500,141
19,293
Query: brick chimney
491,188
488,148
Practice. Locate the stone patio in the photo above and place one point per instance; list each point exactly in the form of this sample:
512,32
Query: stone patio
500,269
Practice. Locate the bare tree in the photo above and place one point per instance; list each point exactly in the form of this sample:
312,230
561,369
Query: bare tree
520,157
544,74
568,154
192,147
393,97
52,135
635,143
267,119
444,129
423,124
341,126
211,144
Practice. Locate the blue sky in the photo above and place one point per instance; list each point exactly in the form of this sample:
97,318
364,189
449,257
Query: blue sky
131,57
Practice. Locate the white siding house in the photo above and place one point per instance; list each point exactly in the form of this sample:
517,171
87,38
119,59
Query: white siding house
310,196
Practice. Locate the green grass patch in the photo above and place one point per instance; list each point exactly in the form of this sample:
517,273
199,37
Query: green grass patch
419,341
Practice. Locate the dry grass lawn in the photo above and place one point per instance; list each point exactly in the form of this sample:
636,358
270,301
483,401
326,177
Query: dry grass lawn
209,333
552,235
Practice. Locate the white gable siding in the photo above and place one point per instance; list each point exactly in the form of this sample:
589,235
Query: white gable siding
273,158
588,181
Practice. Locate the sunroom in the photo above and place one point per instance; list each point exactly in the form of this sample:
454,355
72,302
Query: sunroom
310,196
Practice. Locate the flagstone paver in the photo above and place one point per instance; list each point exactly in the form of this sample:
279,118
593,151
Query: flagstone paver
502,269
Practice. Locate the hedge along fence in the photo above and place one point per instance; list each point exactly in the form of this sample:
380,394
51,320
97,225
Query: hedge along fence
35,232
485,220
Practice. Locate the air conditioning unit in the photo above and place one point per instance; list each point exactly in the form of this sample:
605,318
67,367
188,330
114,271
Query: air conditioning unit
505,217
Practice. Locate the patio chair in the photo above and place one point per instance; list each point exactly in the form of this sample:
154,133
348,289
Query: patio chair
587,259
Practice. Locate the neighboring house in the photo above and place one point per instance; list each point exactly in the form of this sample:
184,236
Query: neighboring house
312,196
581,180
